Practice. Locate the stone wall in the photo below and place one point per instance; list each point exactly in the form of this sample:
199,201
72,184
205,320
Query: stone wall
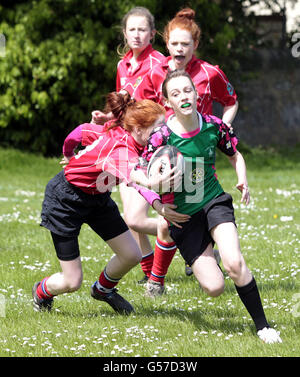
269,111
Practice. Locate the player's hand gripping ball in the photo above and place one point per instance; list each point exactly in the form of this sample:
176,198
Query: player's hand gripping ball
160,166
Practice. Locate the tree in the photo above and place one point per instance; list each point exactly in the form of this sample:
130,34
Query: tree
61,59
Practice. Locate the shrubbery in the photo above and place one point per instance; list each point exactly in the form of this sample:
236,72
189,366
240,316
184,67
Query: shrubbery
61,59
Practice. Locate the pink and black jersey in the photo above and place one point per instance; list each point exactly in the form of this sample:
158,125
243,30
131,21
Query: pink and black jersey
129,79
210,81
200,184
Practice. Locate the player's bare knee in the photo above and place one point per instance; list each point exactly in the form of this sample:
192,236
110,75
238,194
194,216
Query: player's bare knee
213,290
136,222
233,268
163,230
130,220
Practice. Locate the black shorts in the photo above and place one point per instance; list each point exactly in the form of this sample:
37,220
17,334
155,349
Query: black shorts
194,236
65,208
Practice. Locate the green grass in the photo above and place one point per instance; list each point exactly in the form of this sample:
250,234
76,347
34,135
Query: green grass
184,322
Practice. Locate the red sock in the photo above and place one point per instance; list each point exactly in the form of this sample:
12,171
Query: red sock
146,263
163,255
105,284
42,291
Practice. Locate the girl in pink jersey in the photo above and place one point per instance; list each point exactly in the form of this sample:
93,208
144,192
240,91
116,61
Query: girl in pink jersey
182,36
80,194
138,30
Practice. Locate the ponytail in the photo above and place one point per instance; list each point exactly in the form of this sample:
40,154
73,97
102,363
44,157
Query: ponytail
129,113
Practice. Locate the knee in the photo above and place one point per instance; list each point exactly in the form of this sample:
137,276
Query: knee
233,268
135,221
131,220
163,230
213,290
136,259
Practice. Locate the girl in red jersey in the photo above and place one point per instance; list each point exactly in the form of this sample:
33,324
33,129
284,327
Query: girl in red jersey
182,36
138,29
80,194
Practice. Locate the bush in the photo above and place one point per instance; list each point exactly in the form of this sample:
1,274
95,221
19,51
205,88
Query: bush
61,60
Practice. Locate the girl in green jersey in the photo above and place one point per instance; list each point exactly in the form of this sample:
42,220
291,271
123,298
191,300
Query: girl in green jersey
202,197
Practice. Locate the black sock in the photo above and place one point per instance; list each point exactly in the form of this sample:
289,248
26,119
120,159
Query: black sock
250,297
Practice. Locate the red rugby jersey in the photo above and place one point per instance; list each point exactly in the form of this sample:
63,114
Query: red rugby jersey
108,158
129,79
210,81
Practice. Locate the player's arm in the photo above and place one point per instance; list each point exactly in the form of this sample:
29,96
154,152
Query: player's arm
99,117
224,93
229,113
238,163
71,142
228,144
167,210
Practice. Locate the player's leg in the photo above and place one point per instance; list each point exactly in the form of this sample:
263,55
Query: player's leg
127,255
135,210
208,273
165,249
188,269
110,226
66,281
226,236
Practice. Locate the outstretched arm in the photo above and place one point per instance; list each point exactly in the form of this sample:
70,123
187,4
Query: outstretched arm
238,163
72,141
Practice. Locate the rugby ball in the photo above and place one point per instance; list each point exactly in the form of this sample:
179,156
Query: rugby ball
163,160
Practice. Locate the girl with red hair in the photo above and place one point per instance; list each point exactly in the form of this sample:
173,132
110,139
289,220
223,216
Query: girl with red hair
81,194
182,37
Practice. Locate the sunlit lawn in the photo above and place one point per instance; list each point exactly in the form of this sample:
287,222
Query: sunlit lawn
184,322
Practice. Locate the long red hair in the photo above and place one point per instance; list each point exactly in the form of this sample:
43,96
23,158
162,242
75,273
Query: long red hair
129,113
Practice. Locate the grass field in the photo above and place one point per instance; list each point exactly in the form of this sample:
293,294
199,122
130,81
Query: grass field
184,322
